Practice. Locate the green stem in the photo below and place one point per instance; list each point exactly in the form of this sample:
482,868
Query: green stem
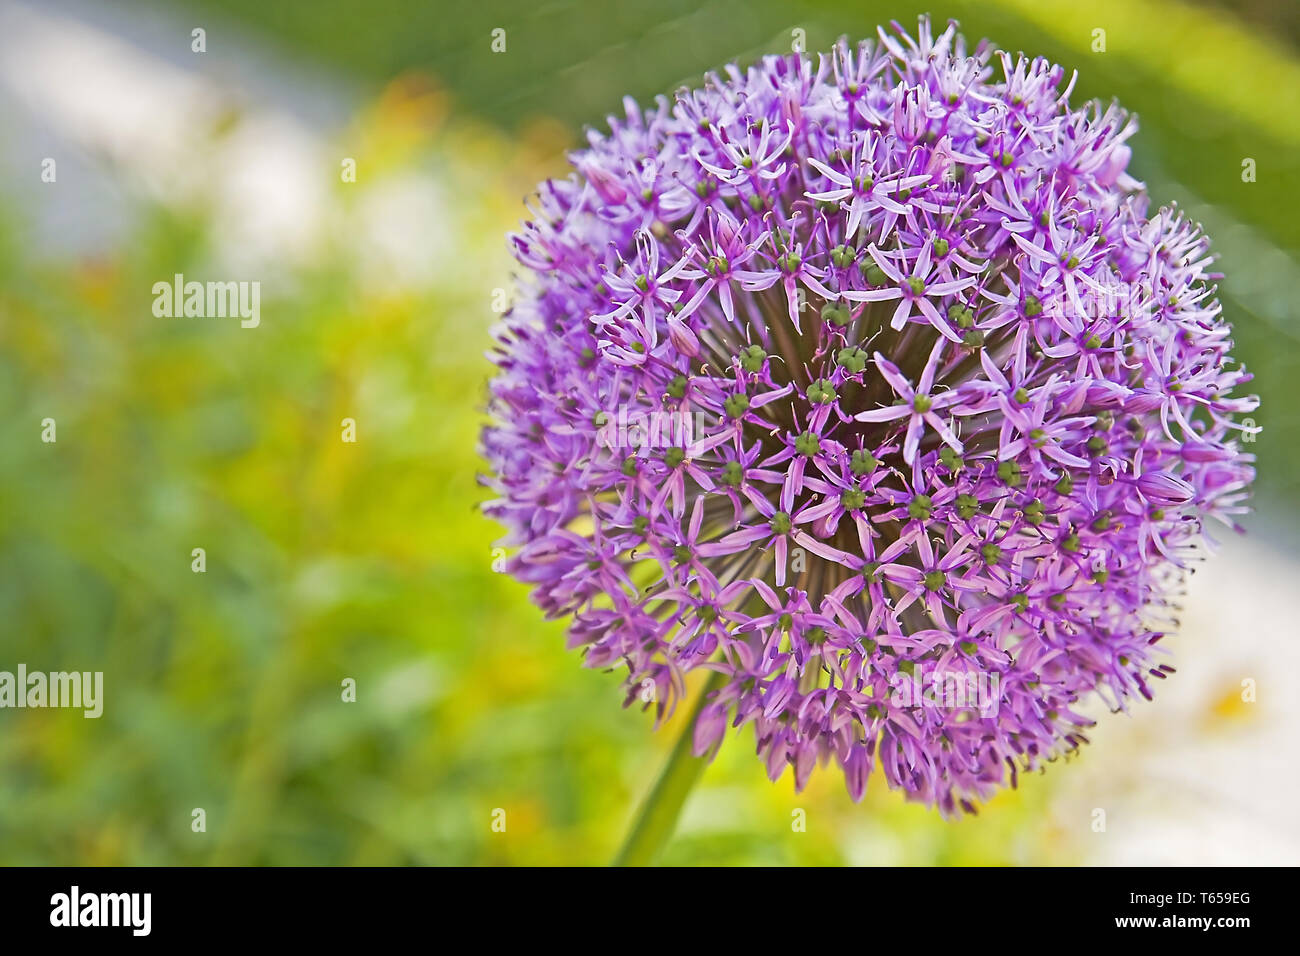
657,816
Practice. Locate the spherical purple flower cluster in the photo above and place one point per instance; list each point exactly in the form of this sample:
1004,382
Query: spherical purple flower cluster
869,383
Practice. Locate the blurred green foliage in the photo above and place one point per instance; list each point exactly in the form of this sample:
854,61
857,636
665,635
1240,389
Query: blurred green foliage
328,560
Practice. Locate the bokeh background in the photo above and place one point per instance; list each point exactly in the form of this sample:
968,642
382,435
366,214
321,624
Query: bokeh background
328,560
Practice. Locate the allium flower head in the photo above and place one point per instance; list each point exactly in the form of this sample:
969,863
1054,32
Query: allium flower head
859,380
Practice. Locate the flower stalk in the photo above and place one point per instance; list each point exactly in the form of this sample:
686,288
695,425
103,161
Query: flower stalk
656,818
